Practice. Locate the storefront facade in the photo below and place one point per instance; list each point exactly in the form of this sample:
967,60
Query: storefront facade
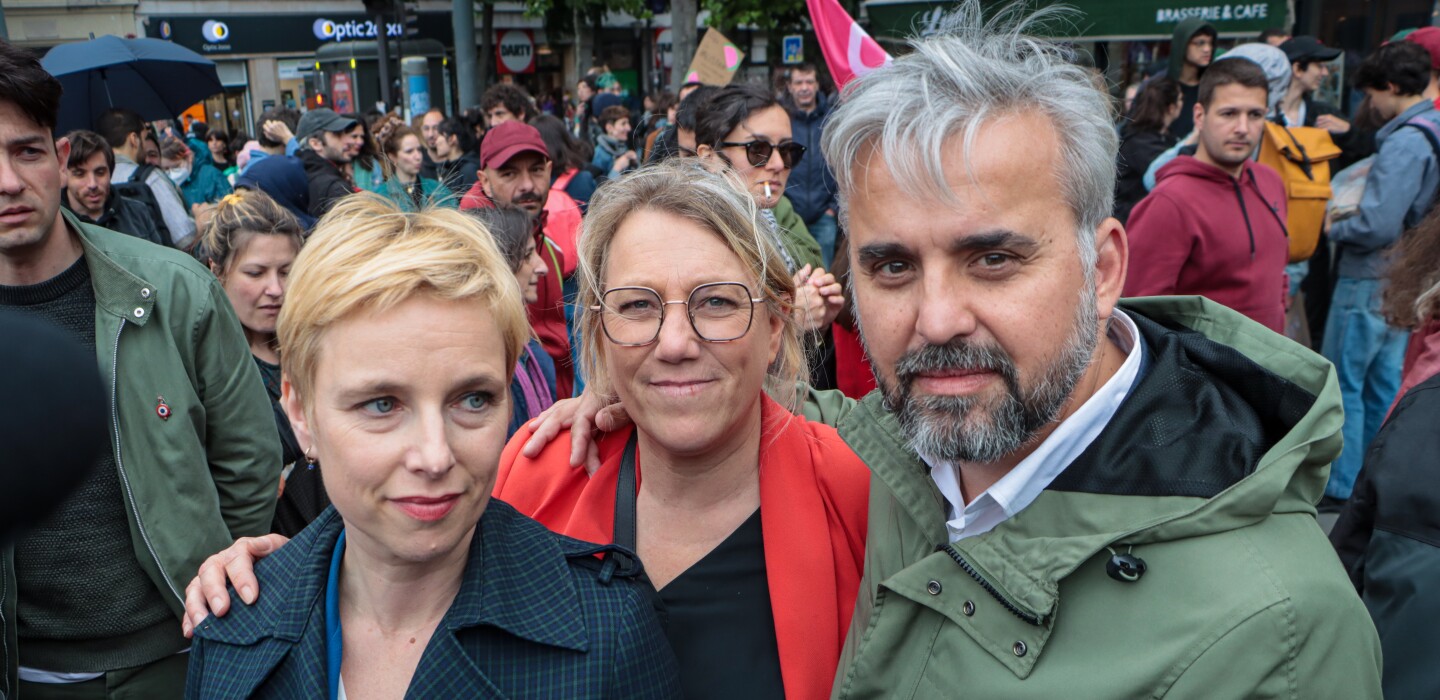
41,24
268,60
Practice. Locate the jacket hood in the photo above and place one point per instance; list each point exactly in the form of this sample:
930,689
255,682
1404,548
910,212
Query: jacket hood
201,151
1271,60
1227,424
1190,166
1180,41
283,178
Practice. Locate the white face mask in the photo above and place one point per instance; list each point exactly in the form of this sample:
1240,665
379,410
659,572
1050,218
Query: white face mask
179,174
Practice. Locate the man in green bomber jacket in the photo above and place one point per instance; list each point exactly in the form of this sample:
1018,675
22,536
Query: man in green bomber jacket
90,597
1073,496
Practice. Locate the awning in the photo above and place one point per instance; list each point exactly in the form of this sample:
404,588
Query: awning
1098,20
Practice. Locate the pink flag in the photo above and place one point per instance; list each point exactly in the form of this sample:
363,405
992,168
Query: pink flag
848,50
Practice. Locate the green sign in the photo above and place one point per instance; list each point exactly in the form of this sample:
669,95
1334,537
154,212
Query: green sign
1097,19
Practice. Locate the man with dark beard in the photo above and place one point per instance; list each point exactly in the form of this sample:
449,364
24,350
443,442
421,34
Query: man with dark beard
515,172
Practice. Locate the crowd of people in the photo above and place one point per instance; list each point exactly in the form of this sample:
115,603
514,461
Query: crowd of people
965,376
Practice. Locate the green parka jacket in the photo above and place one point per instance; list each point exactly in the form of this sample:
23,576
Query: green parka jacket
209,472
1208,472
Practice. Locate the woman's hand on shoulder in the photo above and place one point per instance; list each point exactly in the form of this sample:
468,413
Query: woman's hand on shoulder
235,565
582,416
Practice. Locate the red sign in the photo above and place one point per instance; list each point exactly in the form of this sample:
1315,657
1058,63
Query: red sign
515,51
341,98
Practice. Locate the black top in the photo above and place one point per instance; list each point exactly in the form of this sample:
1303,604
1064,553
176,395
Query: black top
112,616
1388,538
720,623
1137,150
304,497
1185,123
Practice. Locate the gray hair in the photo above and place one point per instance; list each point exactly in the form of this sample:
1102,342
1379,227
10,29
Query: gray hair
970,71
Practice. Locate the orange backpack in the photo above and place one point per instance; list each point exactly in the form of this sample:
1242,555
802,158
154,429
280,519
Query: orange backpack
1301,155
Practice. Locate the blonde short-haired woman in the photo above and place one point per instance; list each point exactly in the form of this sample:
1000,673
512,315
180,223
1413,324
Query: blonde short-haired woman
400,337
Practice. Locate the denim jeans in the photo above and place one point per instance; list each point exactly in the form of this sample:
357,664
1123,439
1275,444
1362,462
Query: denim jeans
1367,354
824,231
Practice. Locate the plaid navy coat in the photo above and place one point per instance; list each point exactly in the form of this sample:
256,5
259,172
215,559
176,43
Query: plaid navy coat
532,619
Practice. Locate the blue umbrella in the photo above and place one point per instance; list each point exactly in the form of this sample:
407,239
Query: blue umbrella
156,78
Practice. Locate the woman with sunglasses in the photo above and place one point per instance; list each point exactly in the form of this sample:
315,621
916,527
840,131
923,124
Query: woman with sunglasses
747,130
749,519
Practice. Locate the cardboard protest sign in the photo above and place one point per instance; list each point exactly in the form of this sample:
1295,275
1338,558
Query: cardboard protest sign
716,60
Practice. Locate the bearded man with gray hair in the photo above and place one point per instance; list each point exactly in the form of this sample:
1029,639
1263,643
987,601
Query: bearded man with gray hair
1073,496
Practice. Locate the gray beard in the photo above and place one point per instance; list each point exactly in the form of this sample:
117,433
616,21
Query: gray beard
980,429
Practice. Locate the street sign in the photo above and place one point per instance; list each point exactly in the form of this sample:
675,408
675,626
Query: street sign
516,50
792,49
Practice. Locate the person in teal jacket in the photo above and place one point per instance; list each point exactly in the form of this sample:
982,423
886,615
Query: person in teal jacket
406,187
191,170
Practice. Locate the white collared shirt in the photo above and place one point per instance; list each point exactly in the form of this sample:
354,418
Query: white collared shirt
1023,484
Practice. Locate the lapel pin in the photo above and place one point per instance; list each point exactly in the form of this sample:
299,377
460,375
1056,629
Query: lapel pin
162,409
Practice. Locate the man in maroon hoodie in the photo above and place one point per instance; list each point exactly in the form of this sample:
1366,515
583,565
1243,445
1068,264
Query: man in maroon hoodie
1214,224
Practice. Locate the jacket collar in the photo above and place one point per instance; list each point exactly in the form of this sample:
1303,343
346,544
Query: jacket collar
1415,110
519,582
516,579
117,290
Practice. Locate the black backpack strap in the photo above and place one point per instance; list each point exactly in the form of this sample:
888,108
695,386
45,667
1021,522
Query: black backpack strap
620,558
1305,165
625,529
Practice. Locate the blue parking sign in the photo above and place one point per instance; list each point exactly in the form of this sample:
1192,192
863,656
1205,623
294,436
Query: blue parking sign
793,49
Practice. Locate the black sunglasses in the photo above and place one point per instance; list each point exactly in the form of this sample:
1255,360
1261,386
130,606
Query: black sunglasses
758,152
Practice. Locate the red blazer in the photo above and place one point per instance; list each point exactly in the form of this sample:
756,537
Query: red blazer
814,492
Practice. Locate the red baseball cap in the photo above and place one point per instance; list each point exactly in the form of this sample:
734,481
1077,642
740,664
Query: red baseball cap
509,140
1429,39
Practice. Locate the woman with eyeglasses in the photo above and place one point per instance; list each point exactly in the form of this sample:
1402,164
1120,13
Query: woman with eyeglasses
749,519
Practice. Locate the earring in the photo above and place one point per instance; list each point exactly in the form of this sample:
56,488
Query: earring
310,458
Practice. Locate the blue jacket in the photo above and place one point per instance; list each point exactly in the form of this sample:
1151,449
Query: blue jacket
1398,192
811,187
534,618
283,178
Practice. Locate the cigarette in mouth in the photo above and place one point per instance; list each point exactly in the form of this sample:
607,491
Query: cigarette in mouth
767,190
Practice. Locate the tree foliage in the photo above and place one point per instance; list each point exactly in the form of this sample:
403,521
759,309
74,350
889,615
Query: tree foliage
761,14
